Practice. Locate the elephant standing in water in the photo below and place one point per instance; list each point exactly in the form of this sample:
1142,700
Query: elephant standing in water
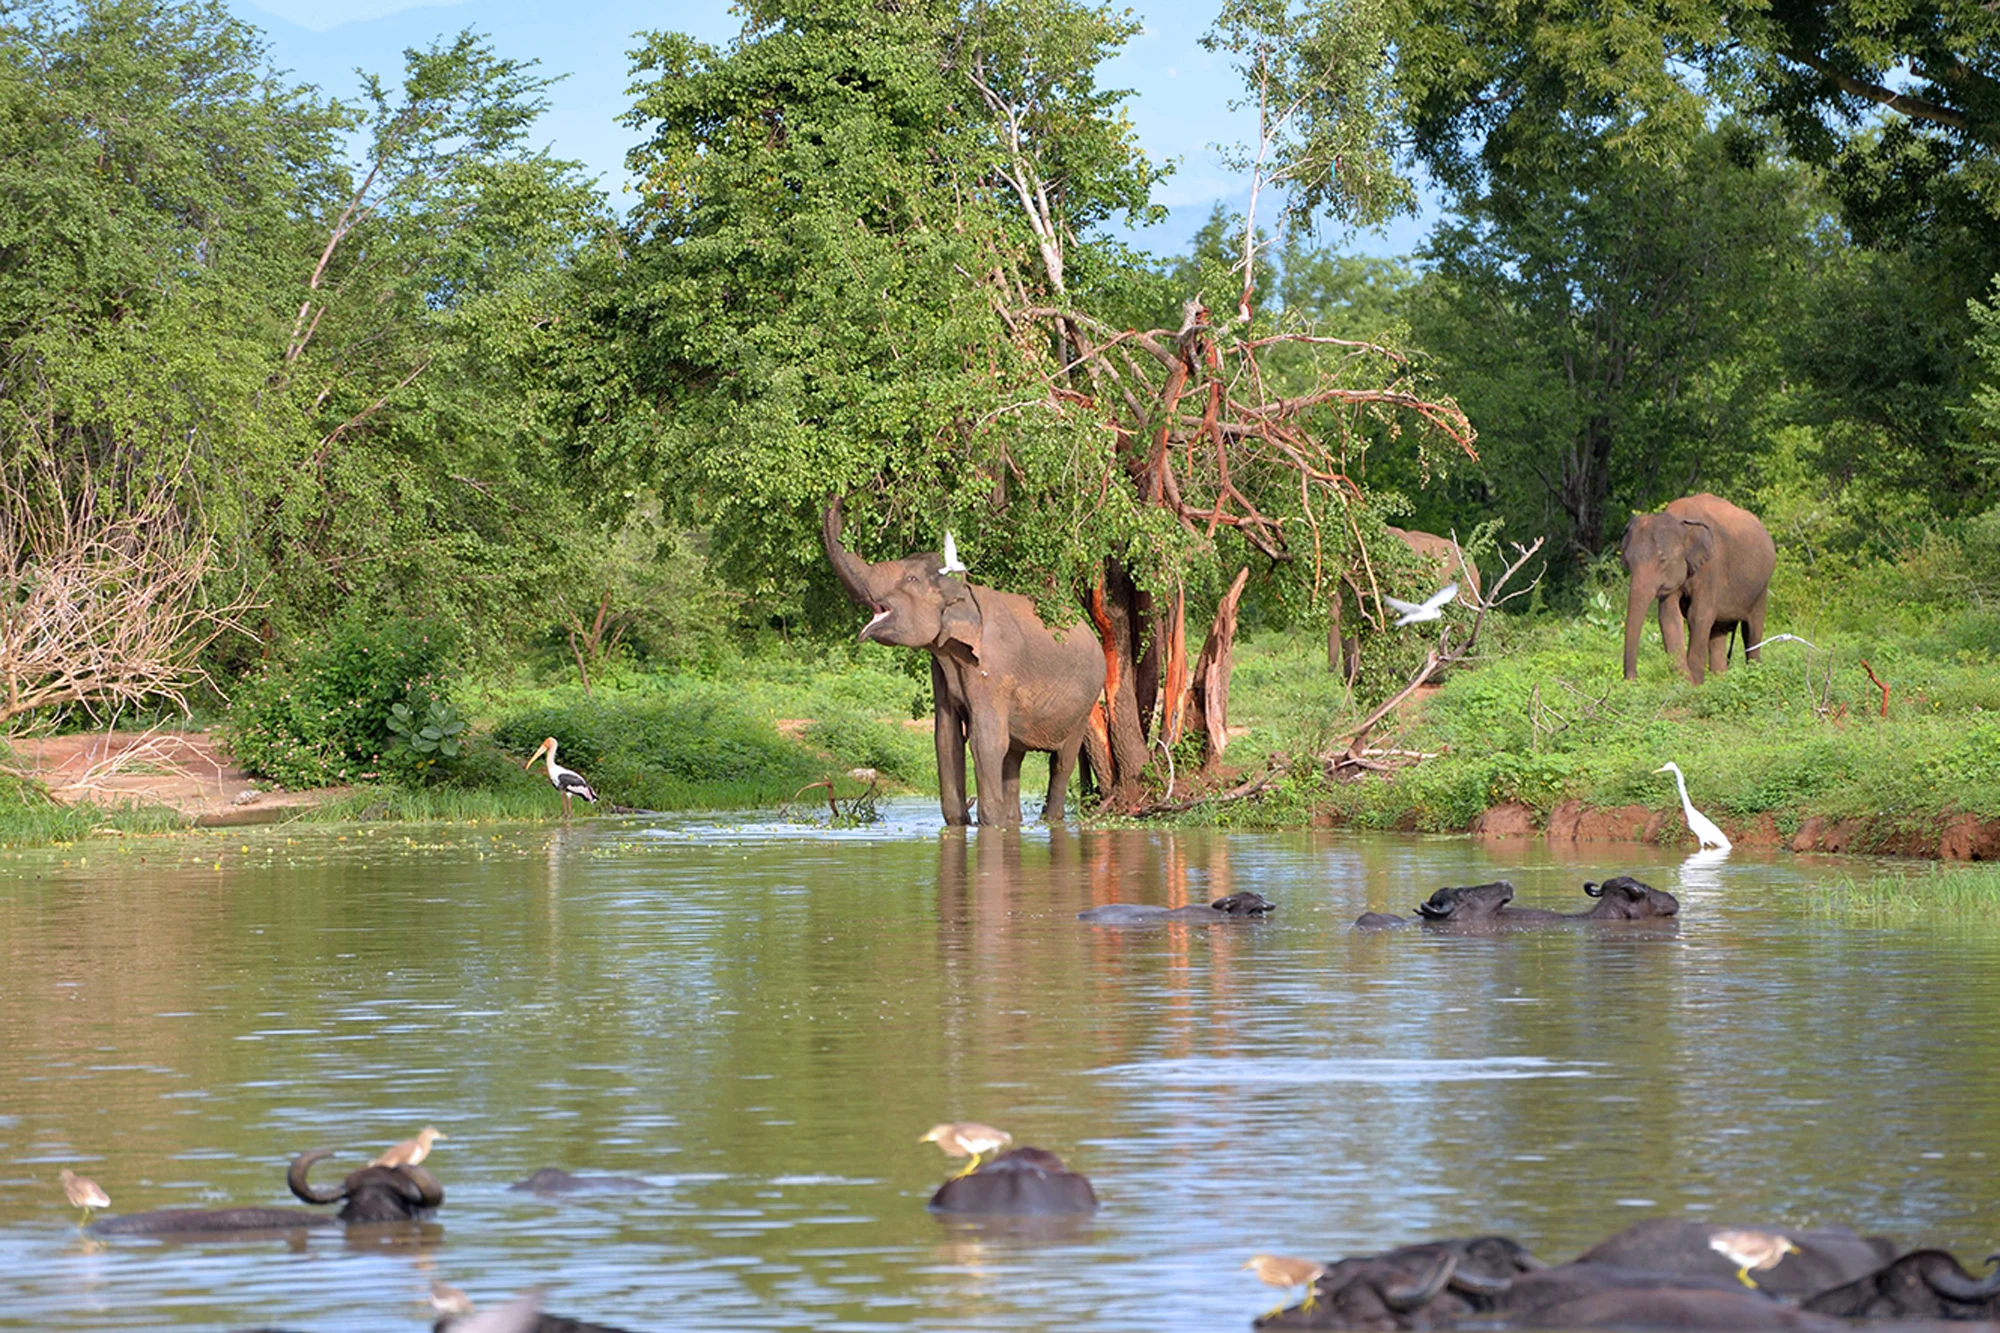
1705,562
1000,680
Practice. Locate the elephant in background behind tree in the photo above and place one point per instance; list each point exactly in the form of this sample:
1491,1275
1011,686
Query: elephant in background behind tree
1343,651
1000,680
1708,566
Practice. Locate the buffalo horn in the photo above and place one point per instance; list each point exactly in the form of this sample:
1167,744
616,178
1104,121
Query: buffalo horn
303,1188
1958,1285
1474,1284
1401,1299
1593,889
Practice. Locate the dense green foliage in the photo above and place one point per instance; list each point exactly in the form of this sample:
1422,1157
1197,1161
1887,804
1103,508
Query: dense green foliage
330,716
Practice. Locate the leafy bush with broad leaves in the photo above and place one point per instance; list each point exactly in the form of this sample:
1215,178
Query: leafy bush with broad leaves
330,716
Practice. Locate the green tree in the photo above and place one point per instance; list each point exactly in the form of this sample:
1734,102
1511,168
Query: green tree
1617,332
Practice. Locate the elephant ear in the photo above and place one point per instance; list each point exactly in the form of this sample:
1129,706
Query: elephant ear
1700,543
960,622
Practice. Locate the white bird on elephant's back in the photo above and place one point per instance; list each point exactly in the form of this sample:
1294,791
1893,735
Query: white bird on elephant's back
1699,824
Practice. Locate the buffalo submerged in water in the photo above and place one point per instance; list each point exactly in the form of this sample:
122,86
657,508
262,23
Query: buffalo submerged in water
1659,1274
371,1195
1489,907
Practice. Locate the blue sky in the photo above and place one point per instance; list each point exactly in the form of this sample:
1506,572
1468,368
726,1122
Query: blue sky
1180,107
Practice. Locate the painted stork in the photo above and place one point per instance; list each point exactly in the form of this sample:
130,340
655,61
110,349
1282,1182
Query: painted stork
565,780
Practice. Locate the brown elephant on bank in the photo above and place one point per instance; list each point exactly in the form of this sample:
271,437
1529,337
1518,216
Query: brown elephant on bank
1002,682
1708,565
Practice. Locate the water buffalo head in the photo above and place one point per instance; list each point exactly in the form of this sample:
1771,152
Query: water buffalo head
372,1194
1920,1284
1622,898
1243,903
1468,904
1410,1289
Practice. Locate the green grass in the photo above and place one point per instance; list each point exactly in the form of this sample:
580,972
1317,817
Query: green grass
1937,894
688,741
1544,716
28,818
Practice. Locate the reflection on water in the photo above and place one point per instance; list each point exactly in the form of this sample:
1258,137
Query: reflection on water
757,1021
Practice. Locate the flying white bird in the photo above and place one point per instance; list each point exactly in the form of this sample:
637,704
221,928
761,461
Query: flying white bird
1782,638
1412,612
951,560
1698,823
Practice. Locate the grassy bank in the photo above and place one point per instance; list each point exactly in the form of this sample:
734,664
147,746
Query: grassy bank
1545,716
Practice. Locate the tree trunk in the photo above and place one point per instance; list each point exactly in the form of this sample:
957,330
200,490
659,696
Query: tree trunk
1113,612
1210,708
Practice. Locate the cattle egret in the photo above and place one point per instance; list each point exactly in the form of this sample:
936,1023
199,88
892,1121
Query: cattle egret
1760,1250
1277,1270
410,1151
951,561
83,1193
565,780
1429,610
967,1138
1698,823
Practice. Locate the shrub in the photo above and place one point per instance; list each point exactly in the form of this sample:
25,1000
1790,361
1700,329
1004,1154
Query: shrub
326,717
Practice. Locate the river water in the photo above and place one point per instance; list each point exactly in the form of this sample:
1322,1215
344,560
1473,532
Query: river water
760,1019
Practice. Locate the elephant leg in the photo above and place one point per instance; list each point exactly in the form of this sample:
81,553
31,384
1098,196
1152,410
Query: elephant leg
1718,647
1010,769
1753,629
1701,625
1061,764
948,730
989,772
1673,628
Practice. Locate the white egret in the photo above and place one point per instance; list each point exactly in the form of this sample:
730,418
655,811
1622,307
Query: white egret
1781,638
1412,612
952,564
565,780
1699,824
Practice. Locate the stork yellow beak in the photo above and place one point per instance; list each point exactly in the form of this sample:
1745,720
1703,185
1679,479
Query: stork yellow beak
536,755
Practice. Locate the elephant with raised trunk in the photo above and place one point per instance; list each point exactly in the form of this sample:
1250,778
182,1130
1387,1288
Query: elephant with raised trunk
1001,681
1707,565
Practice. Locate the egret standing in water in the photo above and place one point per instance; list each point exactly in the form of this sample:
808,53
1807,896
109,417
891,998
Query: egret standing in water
1698,823
1760,1250
83,1193
967,1138
1277,1270
565,780
410,1151
1431,609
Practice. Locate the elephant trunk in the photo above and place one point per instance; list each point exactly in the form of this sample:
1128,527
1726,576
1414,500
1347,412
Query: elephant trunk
1636,604
303,1188
851,568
